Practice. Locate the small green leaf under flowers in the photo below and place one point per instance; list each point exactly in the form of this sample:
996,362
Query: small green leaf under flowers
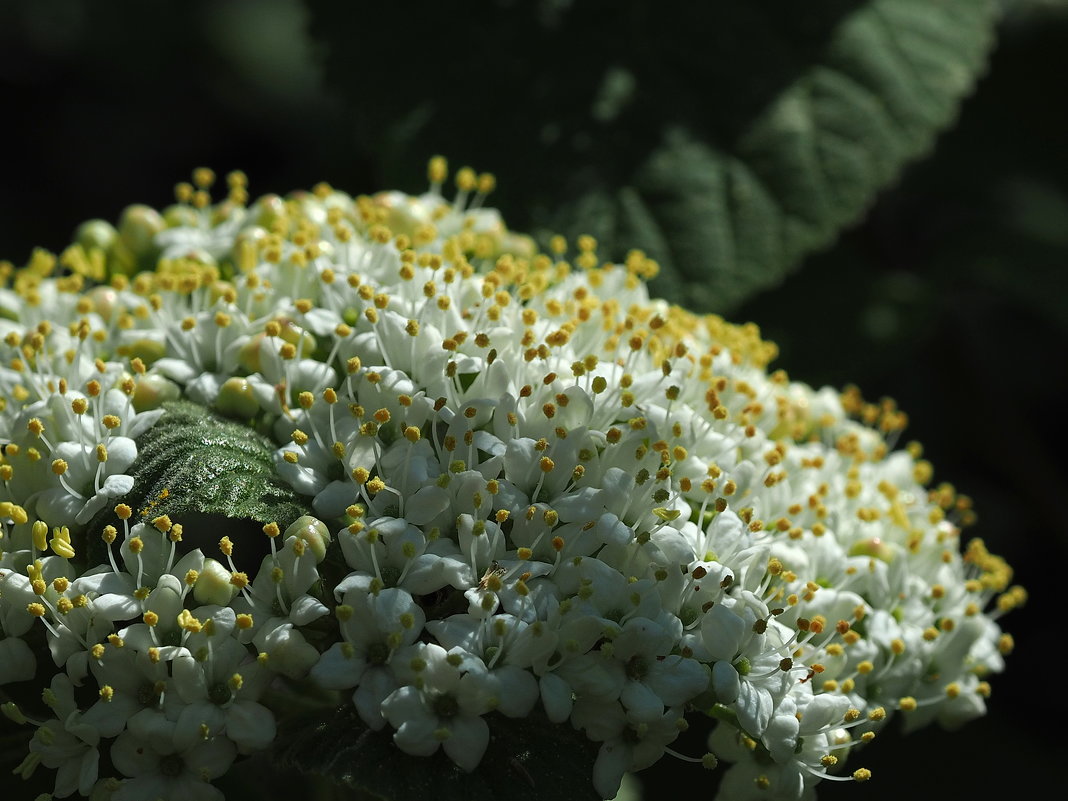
193,464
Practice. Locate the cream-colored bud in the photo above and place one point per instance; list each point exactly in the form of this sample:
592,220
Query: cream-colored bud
213,584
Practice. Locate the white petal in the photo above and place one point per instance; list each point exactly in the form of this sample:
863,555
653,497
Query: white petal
641,702
417,736
726,682
211,759
188,731
17,662
426,504
555,697
117,485
517,691
608,770
250,725
375,687
305,609
677,679
467,742
335,671
131,757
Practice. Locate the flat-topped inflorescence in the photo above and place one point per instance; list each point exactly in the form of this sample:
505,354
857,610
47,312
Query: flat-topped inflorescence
542,487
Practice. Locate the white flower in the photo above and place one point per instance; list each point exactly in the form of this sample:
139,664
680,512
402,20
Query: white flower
67,743
220,693
374,627
158,768
443,704
628,744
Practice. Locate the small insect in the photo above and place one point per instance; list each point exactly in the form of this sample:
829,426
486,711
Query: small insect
494,569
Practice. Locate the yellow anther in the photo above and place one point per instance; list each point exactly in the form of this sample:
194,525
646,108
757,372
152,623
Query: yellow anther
437,170
466,179
40,535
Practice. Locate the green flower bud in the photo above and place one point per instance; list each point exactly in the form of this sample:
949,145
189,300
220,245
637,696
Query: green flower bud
153,391
267,210
103,299
180,215
236,399
147,350
138,227
873,547
96,234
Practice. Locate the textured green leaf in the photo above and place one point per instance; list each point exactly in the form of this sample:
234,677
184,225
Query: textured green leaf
727,219
204,472
727,140
528,759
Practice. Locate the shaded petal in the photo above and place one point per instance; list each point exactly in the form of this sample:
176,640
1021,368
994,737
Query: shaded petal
336,671
467,742
250,725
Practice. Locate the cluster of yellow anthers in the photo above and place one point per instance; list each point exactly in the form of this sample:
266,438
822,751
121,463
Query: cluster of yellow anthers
546,487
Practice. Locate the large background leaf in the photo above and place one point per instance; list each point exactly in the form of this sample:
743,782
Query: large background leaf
728,140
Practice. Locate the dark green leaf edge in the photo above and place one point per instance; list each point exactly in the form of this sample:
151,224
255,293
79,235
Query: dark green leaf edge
527,759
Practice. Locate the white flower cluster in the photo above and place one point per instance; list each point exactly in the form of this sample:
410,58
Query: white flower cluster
546,489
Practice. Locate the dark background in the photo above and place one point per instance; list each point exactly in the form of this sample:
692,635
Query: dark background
951,296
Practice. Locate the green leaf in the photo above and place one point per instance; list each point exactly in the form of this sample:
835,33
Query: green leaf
727,218
528,759
213,476
727,140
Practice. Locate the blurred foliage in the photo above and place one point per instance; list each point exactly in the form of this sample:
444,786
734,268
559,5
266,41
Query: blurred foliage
951,295
727,140
527,759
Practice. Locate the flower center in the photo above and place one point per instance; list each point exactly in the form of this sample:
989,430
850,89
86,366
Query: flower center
637,667
614,614
171,765
390,575
219,694
445,706
378,653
